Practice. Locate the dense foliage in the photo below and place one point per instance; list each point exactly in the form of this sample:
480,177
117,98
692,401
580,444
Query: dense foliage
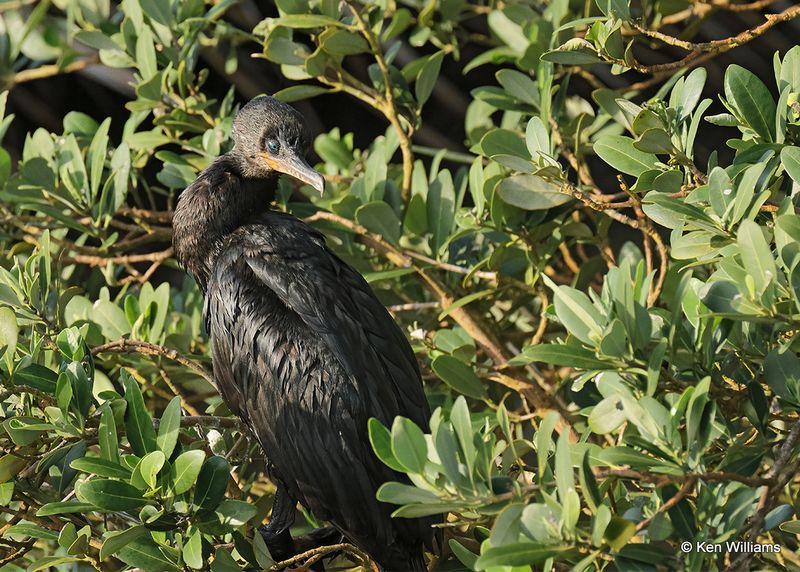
612,359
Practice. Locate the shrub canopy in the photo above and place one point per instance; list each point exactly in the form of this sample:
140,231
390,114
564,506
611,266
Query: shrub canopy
605,317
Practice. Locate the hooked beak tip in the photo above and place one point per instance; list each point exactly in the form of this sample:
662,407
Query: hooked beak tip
318,183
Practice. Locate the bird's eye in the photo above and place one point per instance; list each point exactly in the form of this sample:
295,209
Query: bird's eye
273,146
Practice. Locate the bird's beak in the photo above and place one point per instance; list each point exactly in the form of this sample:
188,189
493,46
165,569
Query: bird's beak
295,166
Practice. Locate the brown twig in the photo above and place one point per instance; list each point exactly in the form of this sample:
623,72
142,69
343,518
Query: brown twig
49,70
99,260
685,489
178,392
309,557
136,346
211,421
410,307
696,50
713,476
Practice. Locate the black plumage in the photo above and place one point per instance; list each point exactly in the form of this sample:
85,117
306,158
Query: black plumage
303,351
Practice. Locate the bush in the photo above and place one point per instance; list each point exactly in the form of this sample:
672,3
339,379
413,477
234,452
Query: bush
606,324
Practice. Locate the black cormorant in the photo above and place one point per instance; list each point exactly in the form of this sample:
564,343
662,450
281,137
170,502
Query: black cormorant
303,351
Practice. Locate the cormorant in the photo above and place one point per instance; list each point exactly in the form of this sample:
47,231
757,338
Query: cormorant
302,349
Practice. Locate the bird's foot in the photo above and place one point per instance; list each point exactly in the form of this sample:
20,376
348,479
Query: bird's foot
325,536
280,544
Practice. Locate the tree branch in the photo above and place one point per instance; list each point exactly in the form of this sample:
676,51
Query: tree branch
715,46
49,70
388,105
125,345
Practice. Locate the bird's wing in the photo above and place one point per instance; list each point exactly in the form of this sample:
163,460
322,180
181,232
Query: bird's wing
336,302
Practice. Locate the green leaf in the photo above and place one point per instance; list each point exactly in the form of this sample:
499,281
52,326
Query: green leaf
462,424
565,478
146,53
753,101
145,554
212,482
618,532
145,473
536,138
520,86
654,140
672,212
427,509
504,142
398,493
517,554
158,11
615,8
441,209
408,445
138,423
116,541
426,80
107,434
30,530
235,512
531,192
692,92
308,21
574,52
185,470
466,557
791,527
756,255
300,92
607,416
37,377
111,319
51,561
101,467
193,550
381,219
9,332
459,376
381,441
97,156
111,495
781,371
65,507
577,313
342,42
790,159
97,40
560,355
619,152
169,427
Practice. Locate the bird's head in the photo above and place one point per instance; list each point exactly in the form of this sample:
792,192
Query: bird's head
271,137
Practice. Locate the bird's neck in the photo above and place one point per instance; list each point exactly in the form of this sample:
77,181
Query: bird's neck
219,202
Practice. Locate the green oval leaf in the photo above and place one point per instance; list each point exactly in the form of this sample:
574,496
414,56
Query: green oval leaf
112,495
